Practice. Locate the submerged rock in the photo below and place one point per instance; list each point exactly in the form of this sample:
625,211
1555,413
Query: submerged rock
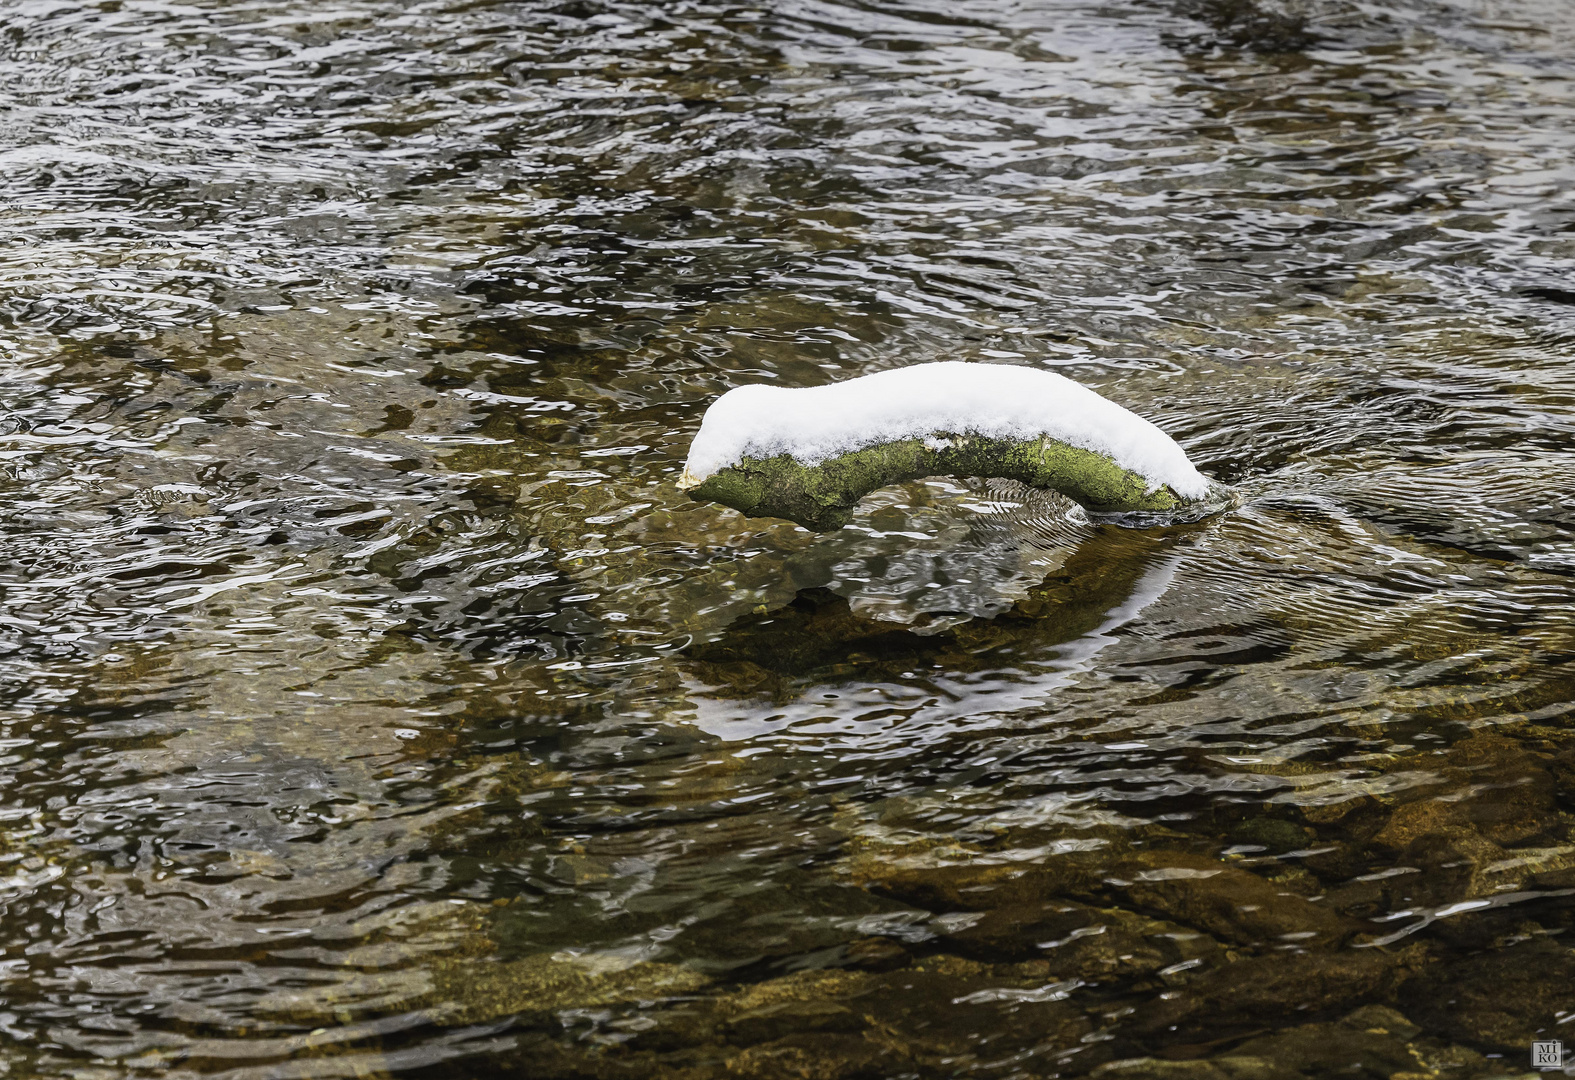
875,954
1381,1020
948,1006
1225,901
440,959
1498,1000
1373,1042
924,1016
978,886
1489,823
1275,834
1018,931
1149,1068
785,1018
812,1057
1330,1050
1510,796
472,991
1096,945
1267,989
817,1001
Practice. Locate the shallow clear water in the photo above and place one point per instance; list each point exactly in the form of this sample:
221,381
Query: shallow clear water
375,705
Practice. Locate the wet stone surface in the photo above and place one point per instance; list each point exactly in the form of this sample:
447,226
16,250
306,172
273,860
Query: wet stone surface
373,704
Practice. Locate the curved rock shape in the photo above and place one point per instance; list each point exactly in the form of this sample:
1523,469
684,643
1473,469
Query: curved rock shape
809,455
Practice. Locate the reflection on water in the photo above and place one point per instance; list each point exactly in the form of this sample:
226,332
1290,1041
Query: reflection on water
374,705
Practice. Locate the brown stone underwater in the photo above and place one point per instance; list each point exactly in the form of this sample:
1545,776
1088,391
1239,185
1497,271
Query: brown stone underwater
373,704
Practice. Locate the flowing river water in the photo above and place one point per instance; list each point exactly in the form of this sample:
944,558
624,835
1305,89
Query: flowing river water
374,705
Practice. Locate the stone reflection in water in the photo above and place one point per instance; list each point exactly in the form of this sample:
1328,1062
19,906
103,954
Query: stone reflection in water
822,640
373,704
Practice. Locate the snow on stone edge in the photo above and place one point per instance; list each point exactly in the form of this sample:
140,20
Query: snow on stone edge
815,424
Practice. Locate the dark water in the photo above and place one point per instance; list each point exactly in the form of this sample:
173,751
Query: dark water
375,706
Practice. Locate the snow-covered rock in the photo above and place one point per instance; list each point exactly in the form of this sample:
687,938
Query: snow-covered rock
929,401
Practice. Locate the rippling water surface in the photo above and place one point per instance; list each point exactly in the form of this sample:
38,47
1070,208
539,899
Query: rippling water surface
373,704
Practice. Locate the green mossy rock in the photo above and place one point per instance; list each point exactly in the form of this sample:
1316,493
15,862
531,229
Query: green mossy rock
822,497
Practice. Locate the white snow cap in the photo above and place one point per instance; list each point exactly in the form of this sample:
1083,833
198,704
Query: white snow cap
817,423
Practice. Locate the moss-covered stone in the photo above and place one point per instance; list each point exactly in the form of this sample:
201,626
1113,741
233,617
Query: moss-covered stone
1275,834
822,497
